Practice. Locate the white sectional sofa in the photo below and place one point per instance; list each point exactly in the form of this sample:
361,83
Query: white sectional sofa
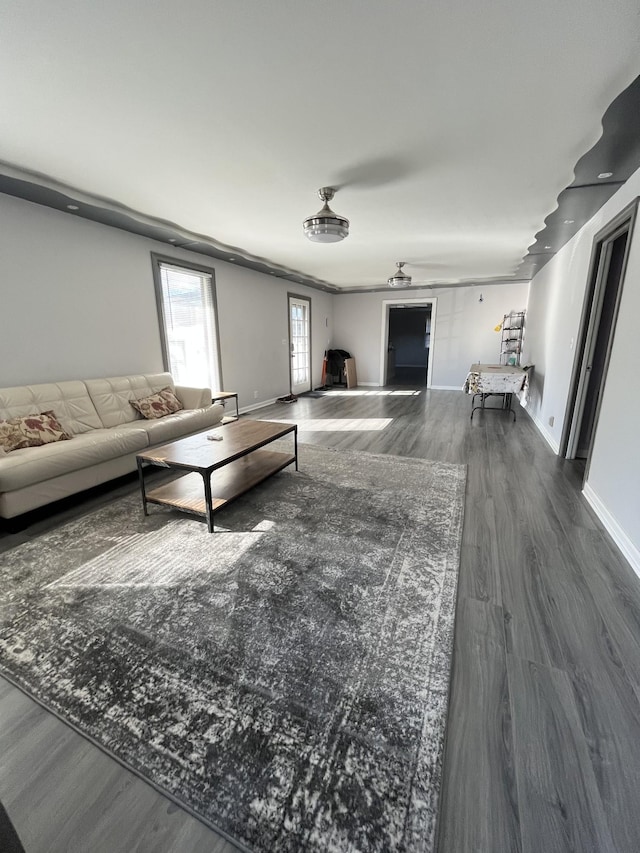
106,433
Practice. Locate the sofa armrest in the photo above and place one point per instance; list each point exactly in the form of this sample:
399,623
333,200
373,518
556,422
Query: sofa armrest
193,398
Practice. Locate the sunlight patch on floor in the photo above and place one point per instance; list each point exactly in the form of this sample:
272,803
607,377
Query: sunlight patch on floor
379,392
179,554
337,424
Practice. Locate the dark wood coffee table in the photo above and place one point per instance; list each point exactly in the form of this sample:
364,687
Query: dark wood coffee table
238,460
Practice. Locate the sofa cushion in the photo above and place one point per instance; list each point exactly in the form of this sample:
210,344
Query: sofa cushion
182,423
31,431
112,397
69,400
35,464
193,398
158,405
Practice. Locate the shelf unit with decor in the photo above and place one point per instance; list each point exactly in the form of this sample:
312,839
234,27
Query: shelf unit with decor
512,332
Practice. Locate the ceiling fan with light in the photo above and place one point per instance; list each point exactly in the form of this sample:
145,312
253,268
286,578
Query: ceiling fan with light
325,226
399,278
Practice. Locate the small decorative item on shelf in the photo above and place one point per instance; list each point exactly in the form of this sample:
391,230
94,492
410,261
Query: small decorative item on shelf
512,333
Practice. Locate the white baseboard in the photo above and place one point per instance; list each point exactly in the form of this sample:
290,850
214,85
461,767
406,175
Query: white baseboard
629,550
370,384
262,405
553,444
445,387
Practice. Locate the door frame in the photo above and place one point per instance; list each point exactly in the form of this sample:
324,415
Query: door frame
589,326
306,299
387,304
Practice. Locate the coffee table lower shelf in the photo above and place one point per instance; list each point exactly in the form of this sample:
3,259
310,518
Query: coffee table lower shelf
234,479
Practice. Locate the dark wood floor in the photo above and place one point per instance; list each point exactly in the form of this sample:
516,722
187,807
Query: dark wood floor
543,739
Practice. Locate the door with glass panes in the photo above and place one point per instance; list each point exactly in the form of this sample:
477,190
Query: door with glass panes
300,343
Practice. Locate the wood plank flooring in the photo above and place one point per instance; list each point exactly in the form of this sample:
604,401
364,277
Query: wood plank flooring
543,736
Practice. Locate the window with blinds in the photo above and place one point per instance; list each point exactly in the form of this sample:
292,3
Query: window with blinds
188,323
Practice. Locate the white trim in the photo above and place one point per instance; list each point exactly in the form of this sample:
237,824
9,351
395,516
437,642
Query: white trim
262,405
553,444
626,546
371,384
446,387
386,304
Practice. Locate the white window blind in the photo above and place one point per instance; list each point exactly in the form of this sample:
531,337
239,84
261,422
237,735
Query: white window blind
188,313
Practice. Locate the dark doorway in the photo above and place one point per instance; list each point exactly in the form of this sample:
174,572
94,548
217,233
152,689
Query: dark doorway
408,345
606,278
603,338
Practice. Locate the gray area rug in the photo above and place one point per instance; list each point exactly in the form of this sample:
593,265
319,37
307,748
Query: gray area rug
286,677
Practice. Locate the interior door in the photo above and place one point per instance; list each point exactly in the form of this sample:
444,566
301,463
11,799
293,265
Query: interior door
596,337
300,343
388,371
408,346
601,345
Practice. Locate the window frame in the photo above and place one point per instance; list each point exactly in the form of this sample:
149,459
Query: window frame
156,262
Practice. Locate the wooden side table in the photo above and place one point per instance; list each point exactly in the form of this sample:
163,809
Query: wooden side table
222,396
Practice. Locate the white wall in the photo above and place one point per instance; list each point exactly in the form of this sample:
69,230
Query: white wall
75,298
555,305
254,331
77,301
463,333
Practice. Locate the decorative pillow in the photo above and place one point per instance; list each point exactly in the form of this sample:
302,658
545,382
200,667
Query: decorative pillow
31,431
158,405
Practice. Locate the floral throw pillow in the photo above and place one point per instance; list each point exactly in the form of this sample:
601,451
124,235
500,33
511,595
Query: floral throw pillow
31,431
158,405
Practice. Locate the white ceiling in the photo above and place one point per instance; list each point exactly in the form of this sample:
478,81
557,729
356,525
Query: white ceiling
449,127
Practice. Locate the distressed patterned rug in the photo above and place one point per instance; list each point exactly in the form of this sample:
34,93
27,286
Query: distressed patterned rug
285,678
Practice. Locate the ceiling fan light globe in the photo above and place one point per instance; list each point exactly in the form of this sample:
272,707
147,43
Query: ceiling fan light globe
326,227
319,237
399,281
